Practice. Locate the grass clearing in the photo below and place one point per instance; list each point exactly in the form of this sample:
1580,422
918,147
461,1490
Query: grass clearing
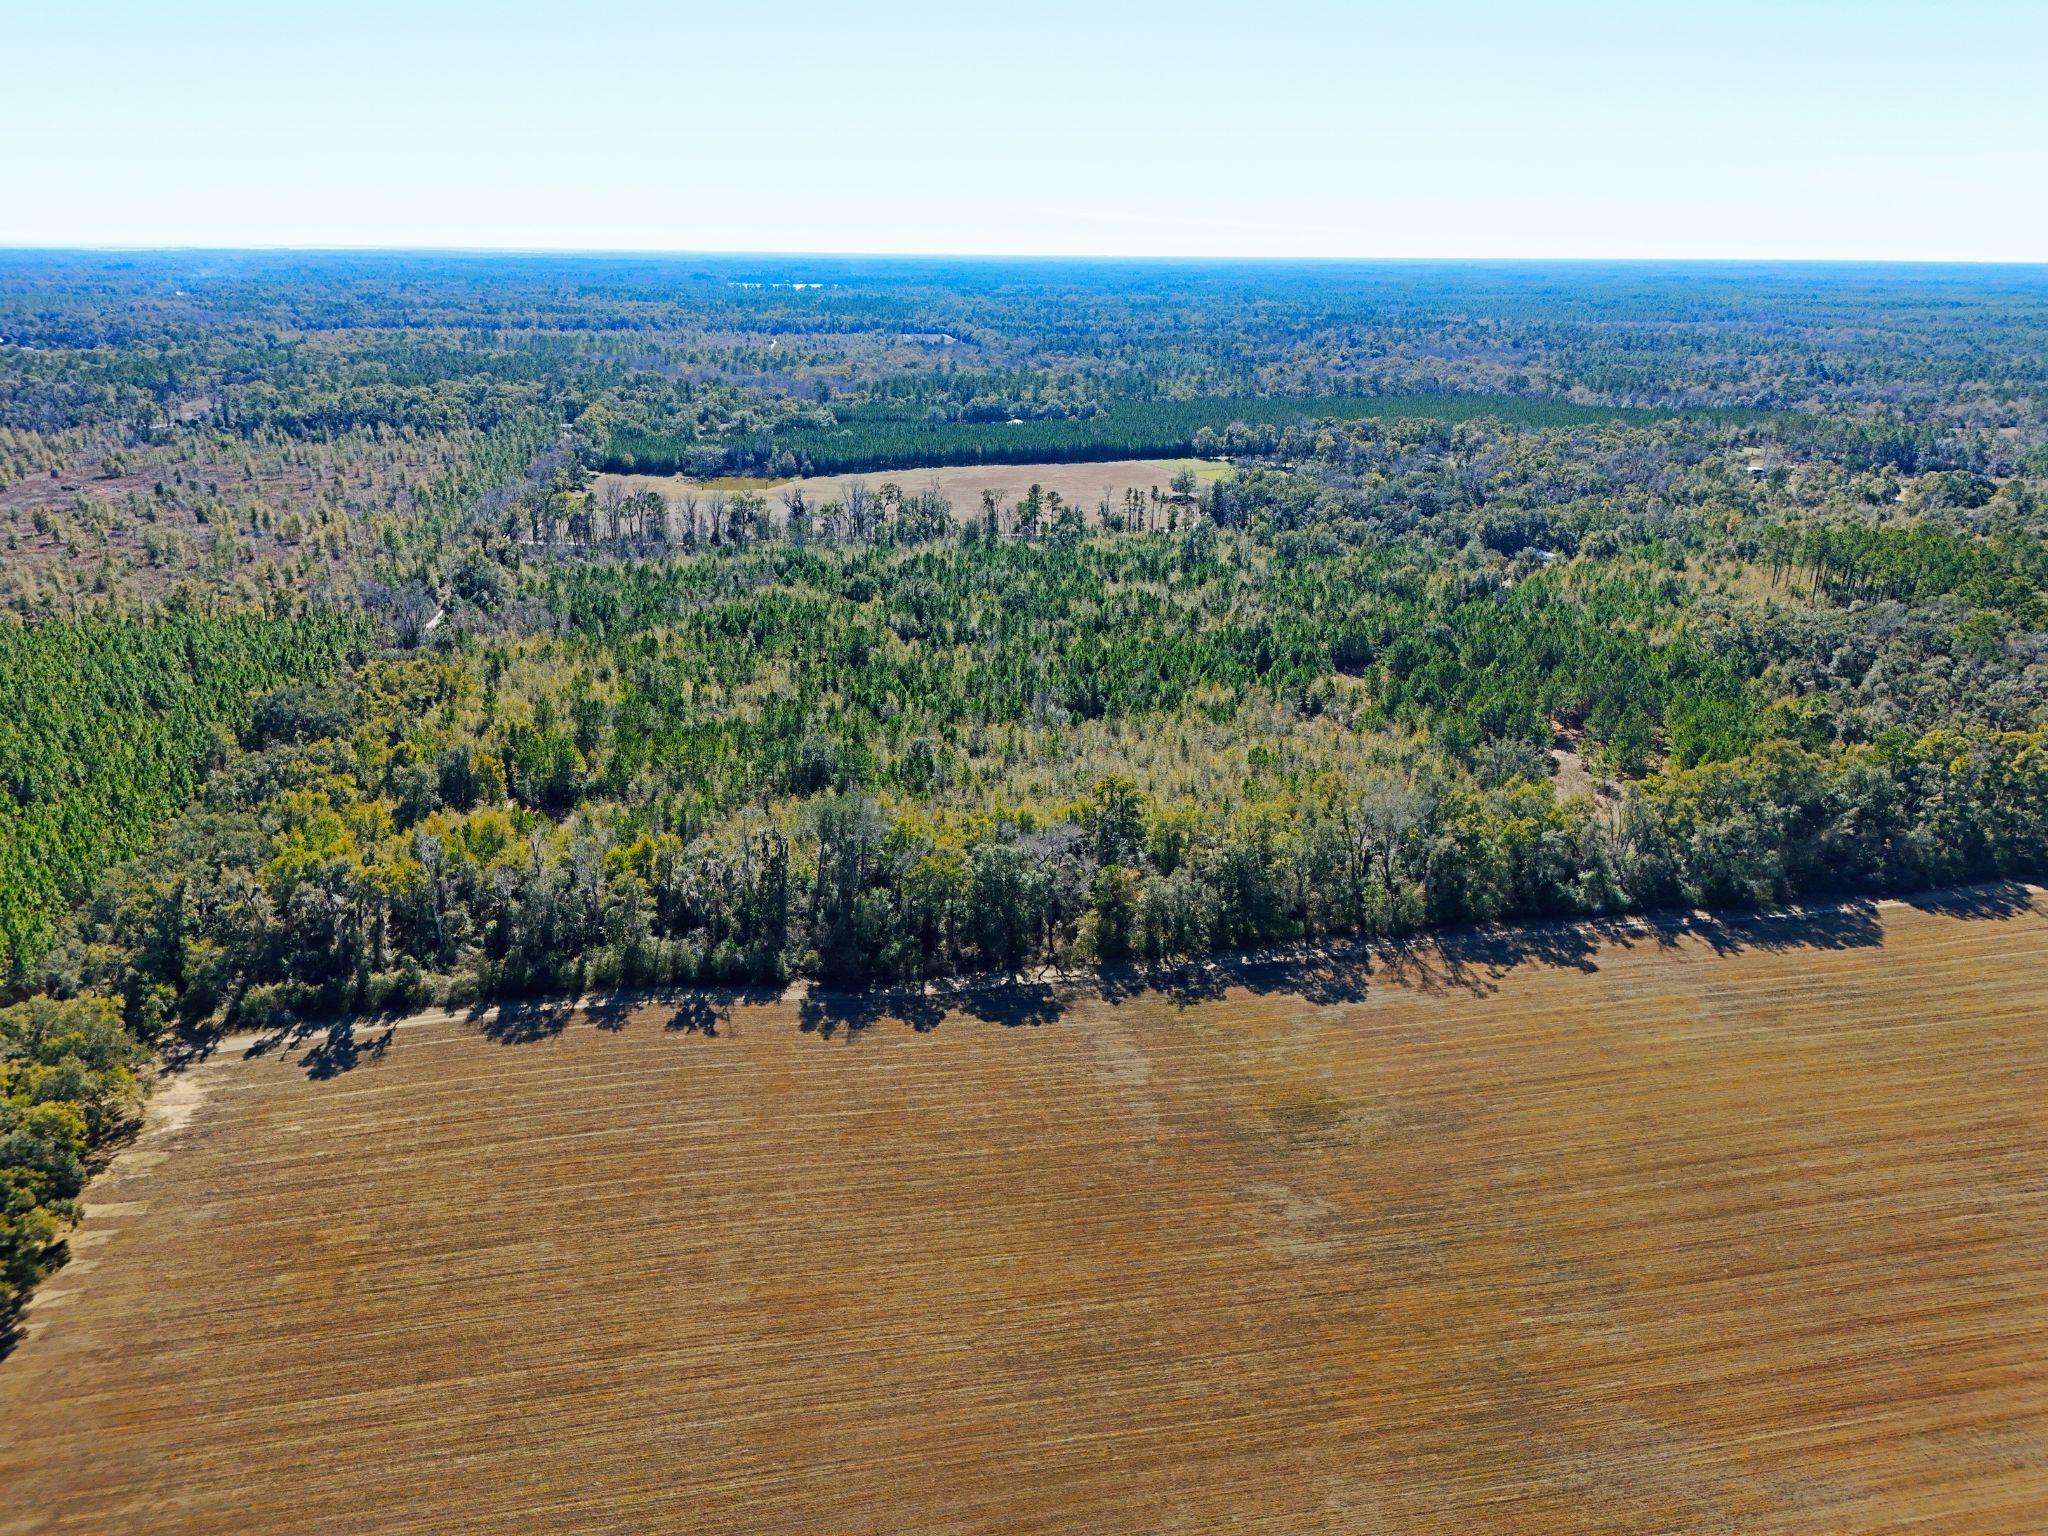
1084,485
1734,1229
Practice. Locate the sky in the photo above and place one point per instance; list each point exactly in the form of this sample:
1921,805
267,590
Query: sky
1805,129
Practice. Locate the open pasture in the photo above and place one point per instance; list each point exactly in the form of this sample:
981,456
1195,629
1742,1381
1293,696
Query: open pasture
1083,485
1735,1228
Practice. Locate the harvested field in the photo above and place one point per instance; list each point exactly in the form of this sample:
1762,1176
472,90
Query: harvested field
1084,485
1740,1229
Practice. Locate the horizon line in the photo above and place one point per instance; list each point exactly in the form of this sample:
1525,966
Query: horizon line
114,248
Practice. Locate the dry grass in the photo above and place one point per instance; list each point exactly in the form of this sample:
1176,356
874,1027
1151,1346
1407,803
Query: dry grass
1735,1231
1084,485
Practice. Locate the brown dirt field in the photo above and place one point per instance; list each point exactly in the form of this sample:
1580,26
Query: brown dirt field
1081,484
1737,1230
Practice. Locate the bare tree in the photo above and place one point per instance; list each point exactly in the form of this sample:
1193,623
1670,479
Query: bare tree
611,501
860,504
410,610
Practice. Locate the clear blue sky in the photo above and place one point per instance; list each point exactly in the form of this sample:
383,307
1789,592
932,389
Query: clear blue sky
1802,128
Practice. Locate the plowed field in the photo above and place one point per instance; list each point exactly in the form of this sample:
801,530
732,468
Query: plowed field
1740,1229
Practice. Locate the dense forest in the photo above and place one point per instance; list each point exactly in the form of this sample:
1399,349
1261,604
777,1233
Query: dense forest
106,728
340,675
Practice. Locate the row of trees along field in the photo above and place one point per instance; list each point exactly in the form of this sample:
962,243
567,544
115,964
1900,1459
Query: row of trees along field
69,1079
107,728
866,439
340,873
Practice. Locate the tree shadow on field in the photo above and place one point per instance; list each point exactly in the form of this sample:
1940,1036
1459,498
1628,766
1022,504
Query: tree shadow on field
696,1011
1998,899
827,1013
1429,967
1336,973
1495,951
1012,1006
1118,982
704,1010
1849,925
1185,984
12,1329
340,1051
1339,973
281,1037
1473,960
189,1047
523,1020
697,1014
609,1013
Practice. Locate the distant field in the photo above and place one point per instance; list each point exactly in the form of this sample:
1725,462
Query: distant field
1735,1230
1082,484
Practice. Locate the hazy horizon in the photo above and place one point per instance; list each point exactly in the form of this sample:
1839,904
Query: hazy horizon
992,258
1480,130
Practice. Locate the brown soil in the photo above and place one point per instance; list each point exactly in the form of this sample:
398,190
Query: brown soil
1740,1229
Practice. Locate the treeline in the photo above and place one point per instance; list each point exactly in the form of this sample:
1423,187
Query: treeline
1912,562
865,440
107,727
68,1081
341,865
333,874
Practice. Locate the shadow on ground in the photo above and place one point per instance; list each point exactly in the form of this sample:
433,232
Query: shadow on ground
706,1010
2003,898
1472,961
825,1012
523,1020
342,1050
693,1010
12,1332
1849,925
1468,961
